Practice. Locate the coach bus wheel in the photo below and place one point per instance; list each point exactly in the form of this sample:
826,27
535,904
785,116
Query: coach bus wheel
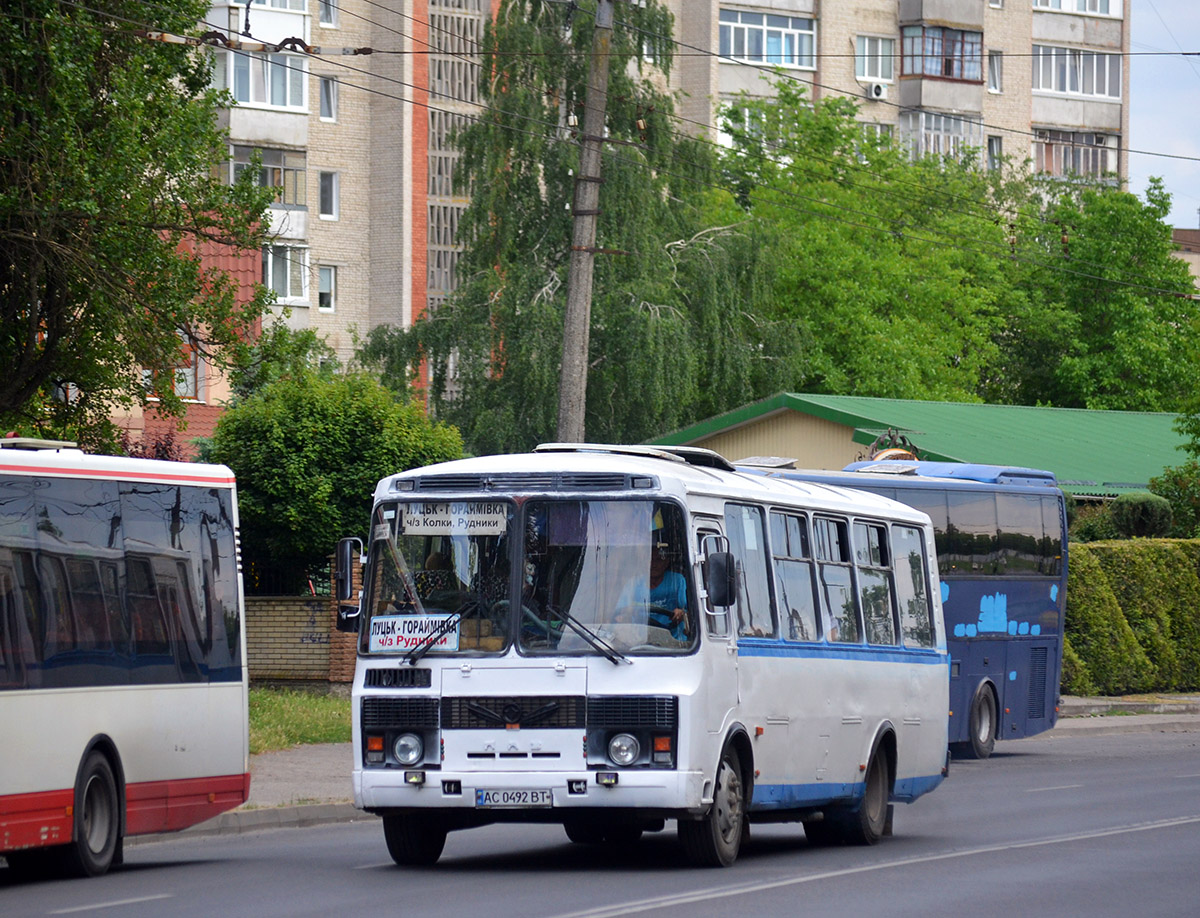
414,841
981,726
97,819
714,839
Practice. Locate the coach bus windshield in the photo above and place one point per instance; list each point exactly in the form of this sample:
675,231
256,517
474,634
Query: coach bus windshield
596,577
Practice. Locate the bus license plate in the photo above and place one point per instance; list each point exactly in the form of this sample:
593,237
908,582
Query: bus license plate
512,796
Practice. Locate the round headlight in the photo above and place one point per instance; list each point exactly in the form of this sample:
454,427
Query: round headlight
623,749
408,748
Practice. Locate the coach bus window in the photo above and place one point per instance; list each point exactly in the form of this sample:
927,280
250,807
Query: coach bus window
932,502
874,582
794,576
1052,526
831,544
971,540
912,598
747,541
1020,536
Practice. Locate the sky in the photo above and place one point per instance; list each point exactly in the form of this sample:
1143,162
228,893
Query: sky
1165,103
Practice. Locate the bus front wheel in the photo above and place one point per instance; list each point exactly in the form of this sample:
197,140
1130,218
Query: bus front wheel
715,839
414,841
97,819
981,726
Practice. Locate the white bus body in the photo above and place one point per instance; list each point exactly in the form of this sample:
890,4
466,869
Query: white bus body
123,683
506,671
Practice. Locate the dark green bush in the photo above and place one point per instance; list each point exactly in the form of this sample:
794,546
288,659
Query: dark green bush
1181,486
1141,515
1092,523
1075,678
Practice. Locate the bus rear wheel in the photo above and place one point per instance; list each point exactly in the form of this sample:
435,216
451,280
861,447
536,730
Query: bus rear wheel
981,726
414,841
715,839
97,820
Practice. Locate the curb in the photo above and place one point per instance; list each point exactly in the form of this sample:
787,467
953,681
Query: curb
237,822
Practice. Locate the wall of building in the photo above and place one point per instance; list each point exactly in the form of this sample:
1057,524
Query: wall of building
813,442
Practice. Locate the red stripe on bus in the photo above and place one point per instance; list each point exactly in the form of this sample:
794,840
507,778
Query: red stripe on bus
44,818
113,473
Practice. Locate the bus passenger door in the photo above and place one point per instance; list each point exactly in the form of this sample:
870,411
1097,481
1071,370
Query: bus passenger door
717,695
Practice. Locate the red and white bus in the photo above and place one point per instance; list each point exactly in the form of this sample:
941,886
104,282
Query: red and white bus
123,685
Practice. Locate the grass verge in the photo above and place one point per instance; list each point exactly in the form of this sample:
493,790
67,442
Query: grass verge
283,718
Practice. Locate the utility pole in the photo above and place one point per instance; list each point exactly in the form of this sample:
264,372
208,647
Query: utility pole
572,388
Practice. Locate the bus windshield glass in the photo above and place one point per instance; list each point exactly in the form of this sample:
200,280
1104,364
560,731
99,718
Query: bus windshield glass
433,561
607,571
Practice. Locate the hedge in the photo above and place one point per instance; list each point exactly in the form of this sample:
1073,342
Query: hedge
1133,617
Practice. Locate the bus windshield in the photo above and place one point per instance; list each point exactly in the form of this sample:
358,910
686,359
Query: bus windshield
597,577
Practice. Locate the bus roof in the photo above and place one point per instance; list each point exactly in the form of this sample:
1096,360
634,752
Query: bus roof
600,470
74,463
987,474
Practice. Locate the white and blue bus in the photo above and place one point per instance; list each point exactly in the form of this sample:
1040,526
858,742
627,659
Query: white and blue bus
1001,536
123,691
609,638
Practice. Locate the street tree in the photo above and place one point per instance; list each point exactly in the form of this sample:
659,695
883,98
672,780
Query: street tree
109,199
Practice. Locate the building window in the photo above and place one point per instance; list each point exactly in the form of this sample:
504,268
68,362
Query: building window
935,134
995,152
329,195
275,80
873,60
1068,153
326,288
1075,72
282,170
995,71
297,5
186,381
767,38
327,12
328,99
997,4
284,271
1095,7
949,54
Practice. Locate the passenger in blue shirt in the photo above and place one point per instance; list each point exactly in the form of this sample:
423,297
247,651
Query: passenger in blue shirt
666,589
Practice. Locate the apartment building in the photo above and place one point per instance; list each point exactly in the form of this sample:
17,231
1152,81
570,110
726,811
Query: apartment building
1044,79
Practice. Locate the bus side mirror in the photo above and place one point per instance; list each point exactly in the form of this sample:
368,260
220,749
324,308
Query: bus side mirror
721,579
344,575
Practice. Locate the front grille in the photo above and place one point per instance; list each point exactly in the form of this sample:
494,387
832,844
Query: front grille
520,481
1037,682
651,712
529,711
397,678
399,713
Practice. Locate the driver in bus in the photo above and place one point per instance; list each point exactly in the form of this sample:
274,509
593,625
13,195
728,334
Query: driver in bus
664,593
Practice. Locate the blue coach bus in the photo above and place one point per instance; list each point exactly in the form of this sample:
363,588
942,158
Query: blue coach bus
1001,537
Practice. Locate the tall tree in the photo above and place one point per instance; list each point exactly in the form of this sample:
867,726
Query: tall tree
109,196
671,320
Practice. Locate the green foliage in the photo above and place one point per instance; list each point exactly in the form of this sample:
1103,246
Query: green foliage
308,452
1075,679
280,353
1181,486
1093,522
1112,659
1140,514
283,718
108,199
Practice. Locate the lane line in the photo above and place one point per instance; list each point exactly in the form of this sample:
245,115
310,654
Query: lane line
1042,790
114,904
719,892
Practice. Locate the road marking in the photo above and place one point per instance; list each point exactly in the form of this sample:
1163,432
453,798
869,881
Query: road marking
1197,775
719,892
113,904
374,866
1042,790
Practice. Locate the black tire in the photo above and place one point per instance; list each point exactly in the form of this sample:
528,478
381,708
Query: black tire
584,833
865,824
715,839
981,726
97,828
414,841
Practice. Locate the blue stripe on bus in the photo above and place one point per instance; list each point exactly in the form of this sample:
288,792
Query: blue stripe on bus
800,796
863,652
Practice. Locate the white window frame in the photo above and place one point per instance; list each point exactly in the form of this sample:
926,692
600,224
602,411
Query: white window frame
1091,154
1108,8
327,89
328,210
746,36
1067,71
995,152
327,287
292,287
938,134
875,58
296,6
995,71
262,80
327,14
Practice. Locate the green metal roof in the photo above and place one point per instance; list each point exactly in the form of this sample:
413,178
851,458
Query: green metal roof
1090,452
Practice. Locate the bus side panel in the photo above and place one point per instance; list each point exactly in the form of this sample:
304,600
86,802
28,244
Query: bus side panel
34,820
167,806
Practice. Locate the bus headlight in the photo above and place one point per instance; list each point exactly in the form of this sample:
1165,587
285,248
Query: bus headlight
408,748
623,749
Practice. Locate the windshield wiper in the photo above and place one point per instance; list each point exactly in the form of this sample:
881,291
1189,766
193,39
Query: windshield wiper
426,643
598,643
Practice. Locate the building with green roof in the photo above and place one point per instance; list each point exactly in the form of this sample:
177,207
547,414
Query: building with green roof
1092,453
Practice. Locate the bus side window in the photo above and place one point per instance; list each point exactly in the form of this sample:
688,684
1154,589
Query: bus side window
1052,526
874,582
912,593
794,576
832,545
747,541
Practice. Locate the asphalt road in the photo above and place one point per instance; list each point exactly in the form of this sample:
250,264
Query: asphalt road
1063,824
